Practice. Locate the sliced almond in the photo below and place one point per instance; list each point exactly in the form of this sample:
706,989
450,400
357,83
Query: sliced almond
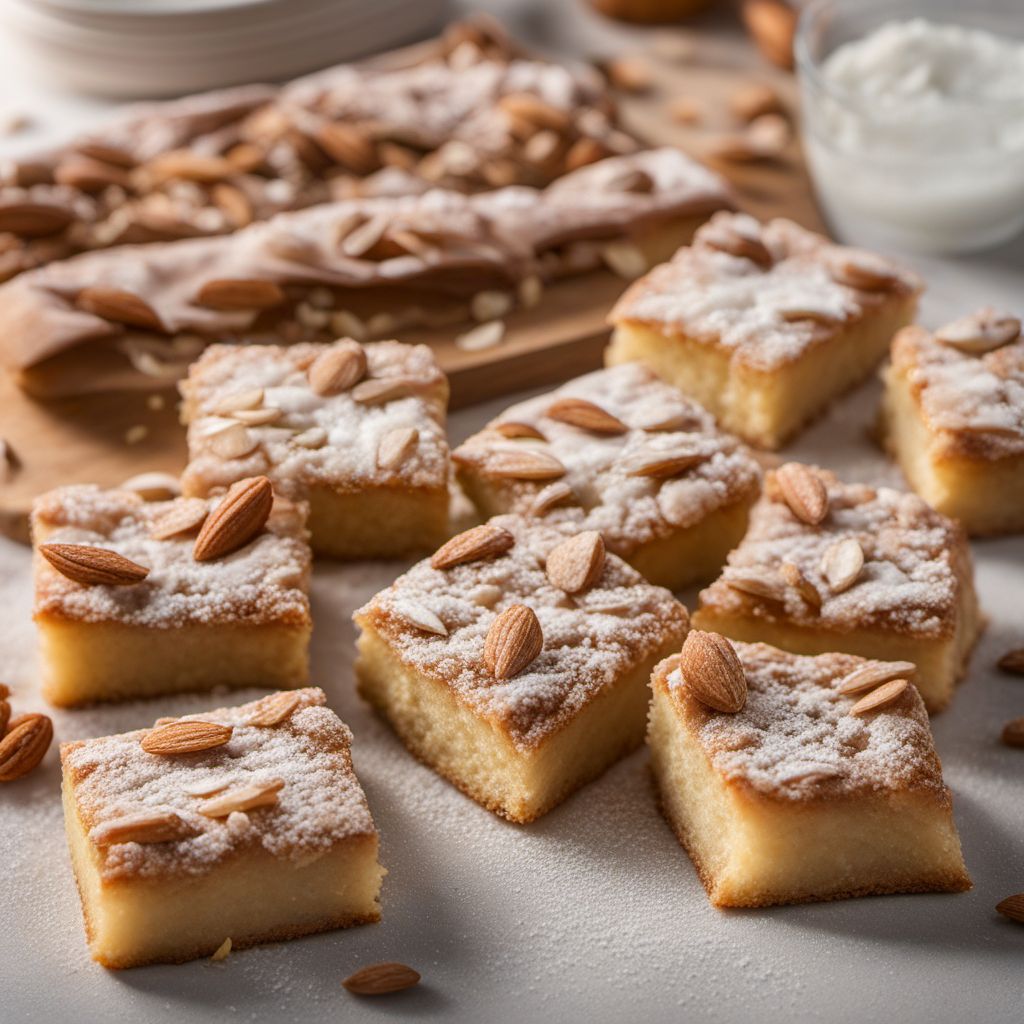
801,584
241,515
185,736
24,745
232,441
880,697
348,145
33,219
234,202
222,951
862,270
422,618
514,429
258,417
337,368
153,486
525,465
119,306
558,493
625,259
532,108
1013,661
664,464
712,671
842,564
315,437
874,673
1013,733
381,390
145,827
240,293
274,709
184,516
491,305
983,331
804,492
396,446
473,545
93,566
757,582
188,166
819,314
736,235
88,175
239,401
360,240
579,412
1012,907
576,564
245,798
513,641
483,336
381,979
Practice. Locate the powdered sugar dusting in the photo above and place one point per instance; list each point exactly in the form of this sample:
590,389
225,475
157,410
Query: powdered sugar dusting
589,641
795,739
265,581
914,561
628,510
320,804
353,431
715,297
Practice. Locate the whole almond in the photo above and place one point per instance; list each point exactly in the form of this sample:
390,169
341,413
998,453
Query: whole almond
524,465
24,745
663,465
713,672
185,737
804,492
842,564
239,293
396,446
244,798
472,545
184,516
145,827
381,979
119,306
880,696
801,584
273,710
1013,733
88,175
93,566
513,641
576,564
1012,907
241,515
32,219
514,429
578,412
874,673
1013,661
337,368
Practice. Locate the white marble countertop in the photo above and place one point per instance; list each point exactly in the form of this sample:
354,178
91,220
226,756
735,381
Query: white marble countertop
593,913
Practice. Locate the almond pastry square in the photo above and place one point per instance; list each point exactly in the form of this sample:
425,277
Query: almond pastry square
180,833
794,799
621,452
763,324
517,668
356,431
882,575
241,619
953,417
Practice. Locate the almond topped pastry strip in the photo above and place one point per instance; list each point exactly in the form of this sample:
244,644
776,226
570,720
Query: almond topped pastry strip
472,114
136,316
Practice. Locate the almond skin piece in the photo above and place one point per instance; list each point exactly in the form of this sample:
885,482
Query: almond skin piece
1012,907
185,737
381,979
24,746
93,566
227,293
576,564
712,671
803,491
236,520
120,306
472,545
578,412
513,641
337,369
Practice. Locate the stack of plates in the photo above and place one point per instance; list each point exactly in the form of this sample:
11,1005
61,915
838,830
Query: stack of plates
150,48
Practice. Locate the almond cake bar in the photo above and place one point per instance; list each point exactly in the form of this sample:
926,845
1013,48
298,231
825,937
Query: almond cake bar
471,113
828,566
356,431
953,417
763,324
801,796
246,823
515,661
621,452
135,598
137,316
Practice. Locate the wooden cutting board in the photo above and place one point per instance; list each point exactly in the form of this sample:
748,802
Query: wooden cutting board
106,439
